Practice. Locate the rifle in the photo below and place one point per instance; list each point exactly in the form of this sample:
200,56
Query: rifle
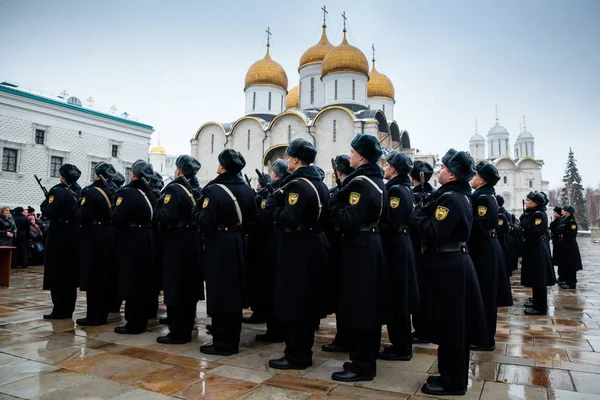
422,180
75,196
192,189
263,183
523,205
247,180
39,182
110,188
156,195
337,178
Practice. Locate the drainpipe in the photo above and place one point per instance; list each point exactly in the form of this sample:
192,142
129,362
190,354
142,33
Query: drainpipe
313,136
263,147
362,127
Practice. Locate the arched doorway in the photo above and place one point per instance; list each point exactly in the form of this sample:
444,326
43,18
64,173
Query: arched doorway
272,154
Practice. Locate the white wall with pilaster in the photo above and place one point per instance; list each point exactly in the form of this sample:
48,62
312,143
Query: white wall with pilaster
207,145
384,104
312,73
344,88
257,99
246,138
498,146
477,149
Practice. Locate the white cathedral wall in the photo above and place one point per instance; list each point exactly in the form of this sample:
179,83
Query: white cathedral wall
344,88
524,148
285,130
261,105
19,117
159,162
247,137
477,150
384,104
206,148
312,71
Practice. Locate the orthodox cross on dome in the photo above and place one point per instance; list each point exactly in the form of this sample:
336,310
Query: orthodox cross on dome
524,124
90,102
496,113
325,12
344,17
373,48
476,129
268,36
159,138
64,93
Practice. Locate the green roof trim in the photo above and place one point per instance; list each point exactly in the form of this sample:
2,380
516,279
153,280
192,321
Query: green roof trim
53,102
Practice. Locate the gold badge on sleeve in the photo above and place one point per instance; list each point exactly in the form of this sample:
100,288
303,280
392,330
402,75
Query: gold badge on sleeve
119,201
538,221
51,199
481,211
82,200
205,203
500,222
262,204
292,198
574,227
394,202
441,213
167,198
354,198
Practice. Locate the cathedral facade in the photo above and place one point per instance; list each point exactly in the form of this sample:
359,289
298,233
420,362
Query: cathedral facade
336,96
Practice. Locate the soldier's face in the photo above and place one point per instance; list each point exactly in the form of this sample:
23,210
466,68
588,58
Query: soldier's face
443,175
529,203
355,159
293,163
476,182
388,171
566,214
555,214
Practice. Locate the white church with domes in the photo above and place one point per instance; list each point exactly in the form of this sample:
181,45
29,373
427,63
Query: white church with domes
337,96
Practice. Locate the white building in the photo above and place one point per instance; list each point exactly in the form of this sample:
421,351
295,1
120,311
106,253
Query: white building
336,97
162,162
39,133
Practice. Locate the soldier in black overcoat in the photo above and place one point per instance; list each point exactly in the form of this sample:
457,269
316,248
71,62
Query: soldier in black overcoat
485,249
226,209
570,257
119,179
502,231
61,257
364,301
181,250
97,242
268,245
421,192
452,314
514,242
298,209
156,184
395,234
537,271
556,239
132,218
344,340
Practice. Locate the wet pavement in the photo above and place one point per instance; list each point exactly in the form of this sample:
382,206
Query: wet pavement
537,357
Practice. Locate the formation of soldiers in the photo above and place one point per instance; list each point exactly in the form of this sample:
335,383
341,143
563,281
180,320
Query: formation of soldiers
373,252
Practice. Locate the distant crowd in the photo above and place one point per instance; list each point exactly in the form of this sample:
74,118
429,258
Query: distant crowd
26,230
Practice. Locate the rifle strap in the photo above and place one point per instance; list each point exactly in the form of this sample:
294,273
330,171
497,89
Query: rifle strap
149,204
192,199
103,193
238,210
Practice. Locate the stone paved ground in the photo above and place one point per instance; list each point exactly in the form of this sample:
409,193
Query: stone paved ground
553,357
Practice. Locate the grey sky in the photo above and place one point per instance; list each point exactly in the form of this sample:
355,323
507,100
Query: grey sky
176,65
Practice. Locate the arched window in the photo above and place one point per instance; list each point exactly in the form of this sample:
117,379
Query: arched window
212,143
353,89
530,184
248,139
383,107
335,130
289,134
269,101
505,180
253,101
336,92
312,91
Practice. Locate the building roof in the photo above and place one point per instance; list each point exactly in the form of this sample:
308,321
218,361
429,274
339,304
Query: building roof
292,100
345,58
316,53
379,85
60,102
498,129
266,72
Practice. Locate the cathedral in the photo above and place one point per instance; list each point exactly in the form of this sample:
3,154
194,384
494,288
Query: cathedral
336,96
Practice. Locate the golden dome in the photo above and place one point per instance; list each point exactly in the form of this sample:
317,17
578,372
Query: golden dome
345,58
158,150
379,85
317,53
266,72
292,100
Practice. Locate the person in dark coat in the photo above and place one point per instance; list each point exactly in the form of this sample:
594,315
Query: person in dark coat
364,287
514,242
421,170
344,341
156,184
395,234
181,251
97,255
570,257
452,313
8,228
227,208
21,240
62,255
267,247
132,218
298,209
485,249
119,179
556,239
537,271
502,231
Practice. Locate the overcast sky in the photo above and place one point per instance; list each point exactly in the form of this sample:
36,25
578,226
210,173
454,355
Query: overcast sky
176,64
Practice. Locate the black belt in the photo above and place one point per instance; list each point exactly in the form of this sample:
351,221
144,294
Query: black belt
97,223
404,229
185,224
59,220
302,227
369,228
135,225
492,233
451,247
229,228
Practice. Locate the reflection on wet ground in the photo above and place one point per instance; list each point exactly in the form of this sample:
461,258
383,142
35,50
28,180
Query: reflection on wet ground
545,357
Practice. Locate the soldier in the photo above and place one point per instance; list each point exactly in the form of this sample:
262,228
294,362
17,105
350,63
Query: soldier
227,208
570,259
556,245
486,251
537,271
395,234
98,271
344,340
268,245
452,313
297,209
421,193
181,251
119,179
132,217
364,289
61,261
502,231
156,184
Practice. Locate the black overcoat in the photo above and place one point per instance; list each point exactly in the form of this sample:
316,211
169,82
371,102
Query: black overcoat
61,259
302,254
502,231
451,306
132,218
398,248
556,240
334,253
364,298
536,263
181,244
97,242
225,241
514,245
570,257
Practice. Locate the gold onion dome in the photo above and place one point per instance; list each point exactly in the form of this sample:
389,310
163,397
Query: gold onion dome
345,58
266,72
379,85
292,100
158,150
317,53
